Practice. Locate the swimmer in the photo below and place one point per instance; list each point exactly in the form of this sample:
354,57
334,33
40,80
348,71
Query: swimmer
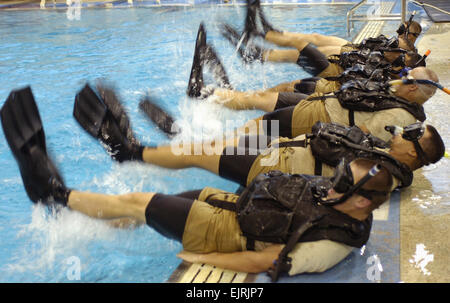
241,163
297,112
205,221
318,61
408,33
238,162
268,100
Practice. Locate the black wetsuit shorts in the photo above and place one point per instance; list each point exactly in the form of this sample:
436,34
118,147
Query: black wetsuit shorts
307,86
167,214
312,60
286,99
235,162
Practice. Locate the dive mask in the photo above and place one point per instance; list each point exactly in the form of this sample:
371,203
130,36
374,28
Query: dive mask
413,133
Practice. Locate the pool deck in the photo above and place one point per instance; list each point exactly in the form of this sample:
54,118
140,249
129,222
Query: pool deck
424,245
419,225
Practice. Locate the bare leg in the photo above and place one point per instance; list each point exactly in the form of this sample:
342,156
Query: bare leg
330,50
281,55
284,87
316,39
109,207
281,39
265,101
205,155
175,158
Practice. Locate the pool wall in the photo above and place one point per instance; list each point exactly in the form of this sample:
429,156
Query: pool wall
58,4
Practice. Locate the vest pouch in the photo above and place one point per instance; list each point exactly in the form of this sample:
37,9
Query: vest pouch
325,144
266,209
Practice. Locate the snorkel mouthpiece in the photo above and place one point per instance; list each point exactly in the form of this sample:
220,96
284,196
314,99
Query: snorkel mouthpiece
394,129
374,170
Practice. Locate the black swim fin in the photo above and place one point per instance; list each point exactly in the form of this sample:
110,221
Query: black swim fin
195,84
248,51
158,116
250,27
106,120
24,132
112,102
214,63
254,10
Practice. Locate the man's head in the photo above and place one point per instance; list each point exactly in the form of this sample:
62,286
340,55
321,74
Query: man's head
370,196
410,31
417,93
398,57
431,143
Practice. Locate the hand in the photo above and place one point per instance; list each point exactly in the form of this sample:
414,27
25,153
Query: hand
189,256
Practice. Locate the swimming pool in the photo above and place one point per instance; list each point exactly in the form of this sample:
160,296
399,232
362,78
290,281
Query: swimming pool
139,50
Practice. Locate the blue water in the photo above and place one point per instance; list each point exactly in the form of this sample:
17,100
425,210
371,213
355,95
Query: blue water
139,51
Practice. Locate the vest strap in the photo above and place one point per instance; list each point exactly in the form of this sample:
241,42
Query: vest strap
231,206
297,143
283,263
317,166
351,117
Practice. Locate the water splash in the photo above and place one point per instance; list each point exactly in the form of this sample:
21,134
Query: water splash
421,259
73,9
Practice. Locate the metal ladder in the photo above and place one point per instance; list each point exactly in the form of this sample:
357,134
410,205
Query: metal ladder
351,17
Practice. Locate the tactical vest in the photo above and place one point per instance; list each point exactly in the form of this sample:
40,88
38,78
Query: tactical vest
378,43
363,72
332,142
282,208
364,57
371,96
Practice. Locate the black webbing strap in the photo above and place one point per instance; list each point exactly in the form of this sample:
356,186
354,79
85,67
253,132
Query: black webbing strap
231,206
351,117
283,263
317,167
297,143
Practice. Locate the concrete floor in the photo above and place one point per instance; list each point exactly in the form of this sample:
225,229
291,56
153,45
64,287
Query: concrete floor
425,206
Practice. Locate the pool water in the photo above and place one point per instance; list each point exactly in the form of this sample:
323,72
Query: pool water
139,51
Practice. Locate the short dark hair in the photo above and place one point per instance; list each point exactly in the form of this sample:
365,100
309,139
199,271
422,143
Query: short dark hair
414,27
434,146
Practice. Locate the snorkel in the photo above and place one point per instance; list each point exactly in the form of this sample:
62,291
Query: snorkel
410,80
421,62
343,183
404,30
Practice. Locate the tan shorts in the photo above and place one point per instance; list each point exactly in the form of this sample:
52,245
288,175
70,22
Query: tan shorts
265,163
333,70
325,86
306,114
212,229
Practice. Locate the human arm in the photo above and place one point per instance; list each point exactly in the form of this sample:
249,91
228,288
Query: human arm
242,261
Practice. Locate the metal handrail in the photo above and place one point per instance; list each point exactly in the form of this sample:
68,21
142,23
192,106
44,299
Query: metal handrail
350,13
383,17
